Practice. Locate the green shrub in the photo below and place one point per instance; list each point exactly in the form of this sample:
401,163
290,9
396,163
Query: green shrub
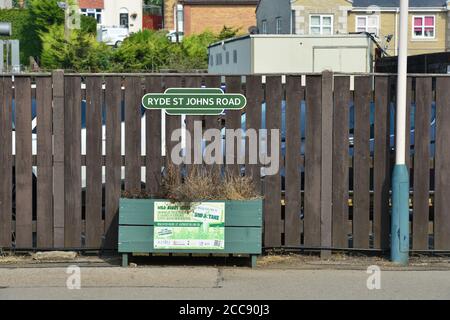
80,53
88,24
147,50
151,51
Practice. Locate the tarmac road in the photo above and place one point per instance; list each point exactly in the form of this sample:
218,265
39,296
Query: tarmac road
218,283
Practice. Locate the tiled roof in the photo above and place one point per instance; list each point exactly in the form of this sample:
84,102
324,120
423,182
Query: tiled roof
396,3
91,4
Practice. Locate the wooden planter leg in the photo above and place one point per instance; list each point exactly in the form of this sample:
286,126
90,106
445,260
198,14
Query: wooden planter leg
125,260
253,261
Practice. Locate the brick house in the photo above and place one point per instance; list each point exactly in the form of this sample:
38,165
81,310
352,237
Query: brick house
196,16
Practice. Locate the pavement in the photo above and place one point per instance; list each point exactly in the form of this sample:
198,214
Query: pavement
273,279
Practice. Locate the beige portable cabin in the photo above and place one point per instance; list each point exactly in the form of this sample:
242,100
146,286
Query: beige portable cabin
278,54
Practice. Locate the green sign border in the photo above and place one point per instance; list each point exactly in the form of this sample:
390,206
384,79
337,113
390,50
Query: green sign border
201,92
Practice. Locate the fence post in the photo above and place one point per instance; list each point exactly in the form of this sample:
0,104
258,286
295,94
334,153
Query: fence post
327,164
58,158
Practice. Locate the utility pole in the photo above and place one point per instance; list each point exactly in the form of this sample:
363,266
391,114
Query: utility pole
400,179
72,17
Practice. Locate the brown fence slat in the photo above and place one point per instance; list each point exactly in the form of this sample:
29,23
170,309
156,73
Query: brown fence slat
44,214
442,171
94,102
294,96
113,99
213,122
196,141
253,119
133,95
23,163
313,161
272,183
233,121
327,164
72,159
172,122
381,169
422,162
6,180
409,100
58,159
361,171
153,139
340,161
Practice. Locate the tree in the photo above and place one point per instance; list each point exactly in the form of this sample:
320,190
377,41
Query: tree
228,32
45,13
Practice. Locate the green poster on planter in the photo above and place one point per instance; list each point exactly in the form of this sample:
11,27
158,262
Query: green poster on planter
189,226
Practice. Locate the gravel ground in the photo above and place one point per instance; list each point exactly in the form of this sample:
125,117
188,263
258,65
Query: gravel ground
269,261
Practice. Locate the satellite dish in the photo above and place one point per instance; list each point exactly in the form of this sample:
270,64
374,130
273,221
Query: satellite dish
253,30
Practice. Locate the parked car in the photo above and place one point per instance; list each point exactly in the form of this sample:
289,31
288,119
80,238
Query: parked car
113,36
172,36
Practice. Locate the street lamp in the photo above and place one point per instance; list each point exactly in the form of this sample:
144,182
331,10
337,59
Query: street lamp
400,179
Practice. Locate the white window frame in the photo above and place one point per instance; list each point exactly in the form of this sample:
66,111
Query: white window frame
423,37
321,23
278,26
366,17
95,12
179,18
264,27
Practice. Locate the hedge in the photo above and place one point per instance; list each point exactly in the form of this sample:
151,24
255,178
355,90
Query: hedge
24,30
21,30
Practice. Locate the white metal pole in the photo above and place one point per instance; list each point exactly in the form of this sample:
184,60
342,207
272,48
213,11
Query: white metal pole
401,84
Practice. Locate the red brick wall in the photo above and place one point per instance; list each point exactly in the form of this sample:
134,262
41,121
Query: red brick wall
168,14
198,18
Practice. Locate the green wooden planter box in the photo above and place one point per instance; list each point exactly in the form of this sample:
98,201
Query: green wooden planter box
243,228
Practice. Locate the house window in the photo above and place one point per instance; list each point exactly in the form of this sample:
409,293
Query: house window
370,24
94,13
278,26
227,57
424,27
180,17
321,24
264,27
292,21
235,56
218,59
123,20
211,60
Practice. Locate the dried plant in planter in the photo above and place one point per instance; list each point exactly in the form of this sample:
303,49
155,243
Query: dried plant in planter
170,181
239,188
135,194
202,184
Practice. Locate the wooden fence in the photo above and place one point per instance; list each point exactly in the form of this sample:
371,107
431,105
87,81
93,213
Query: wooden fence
332,191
